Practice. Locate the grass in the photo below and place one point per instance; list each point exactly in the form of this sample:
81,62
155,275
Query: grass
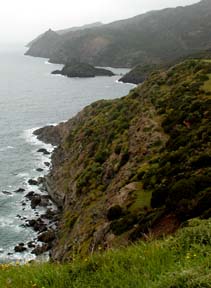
143,200
181,261
207,84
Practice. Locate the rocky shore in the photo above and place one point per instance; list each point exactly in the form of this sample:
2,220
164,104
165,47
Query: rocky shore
45,217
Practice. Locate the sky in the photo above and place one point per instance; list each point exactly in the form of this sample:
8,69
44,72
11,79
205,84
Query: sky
23,20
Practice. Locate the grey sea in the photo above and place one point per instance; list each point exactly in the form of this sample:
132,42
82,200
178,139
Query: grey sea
30,97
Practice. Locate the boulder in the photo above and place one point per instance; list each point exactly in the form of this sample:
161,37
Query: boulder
20,190
47,236
6,193
37,224
30,195
31,244
20,248
40,249
33,182
35,201
44,151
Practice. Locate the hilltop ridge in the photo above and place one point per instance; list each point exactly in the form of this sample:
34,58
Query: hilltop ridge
156,37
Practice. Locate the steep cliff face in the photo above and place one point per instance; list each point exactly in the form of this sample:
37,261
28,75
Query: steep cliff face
45,45
140,164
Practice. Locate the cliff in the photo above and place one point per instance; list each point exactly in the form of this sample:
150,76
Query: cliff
139,73
132,166
151,38
44,45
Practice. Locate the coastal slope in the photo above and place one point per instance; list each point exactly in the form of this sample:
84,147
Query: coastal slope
155,37
134,166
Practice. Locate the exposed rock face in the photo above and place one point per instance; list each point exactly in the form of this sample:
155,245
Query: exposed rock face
124,167
50,134
82,70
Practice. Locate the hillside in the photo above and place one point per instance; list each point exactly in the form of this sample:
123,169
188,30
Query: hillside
154,37
134,166
140,72
45,45
39,40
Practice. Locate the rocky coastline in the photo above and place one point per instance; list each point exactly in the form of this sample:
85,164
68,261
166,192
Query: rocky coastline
110,162
46,213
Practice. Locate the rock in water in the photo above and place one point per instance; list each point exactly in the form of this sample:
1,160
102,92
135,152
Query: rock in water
82,70
44,151
33,182
20,190
20,248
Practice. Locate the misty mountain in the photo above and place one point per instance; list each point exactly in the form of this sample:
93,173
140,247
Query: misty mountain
47,42
155,37
87,26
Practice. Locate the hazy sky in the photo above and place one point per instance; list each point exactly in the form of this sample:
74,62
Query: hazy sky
22,20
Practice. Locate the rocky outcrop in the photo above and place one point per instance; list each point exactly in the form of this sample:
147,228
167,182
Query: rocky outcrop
82,70
50,134
138,74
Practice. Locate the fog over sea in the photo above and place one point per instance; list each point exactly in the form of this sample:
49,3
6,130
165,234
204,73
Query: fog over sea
30,97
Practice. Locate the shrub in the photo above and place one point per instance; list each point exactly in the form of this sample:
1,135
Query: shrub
115,212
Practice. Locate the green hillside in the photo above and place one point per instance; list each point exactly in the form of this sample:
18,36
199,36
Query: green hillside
135,166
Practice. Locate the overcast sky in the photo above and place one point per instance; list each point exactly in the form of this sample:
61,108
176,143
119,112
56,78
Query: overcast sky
22,20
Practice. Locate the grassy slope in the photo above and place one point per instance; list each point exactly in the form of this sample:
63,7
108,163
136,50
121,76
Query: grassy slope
182,261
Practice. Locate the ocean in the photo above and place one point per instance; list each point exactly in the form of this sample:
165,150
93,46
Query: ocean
30,97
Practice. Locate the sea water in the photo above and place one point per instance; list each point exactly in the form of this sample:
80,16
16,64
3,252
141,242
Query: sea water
30,97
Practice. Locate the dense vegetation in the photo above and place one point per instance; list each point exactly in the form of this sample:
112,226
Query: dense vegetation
182,261
181,181
135,166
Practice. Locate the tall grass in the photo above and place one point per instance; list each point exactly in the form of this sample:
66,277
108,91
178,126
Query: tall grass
180,261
